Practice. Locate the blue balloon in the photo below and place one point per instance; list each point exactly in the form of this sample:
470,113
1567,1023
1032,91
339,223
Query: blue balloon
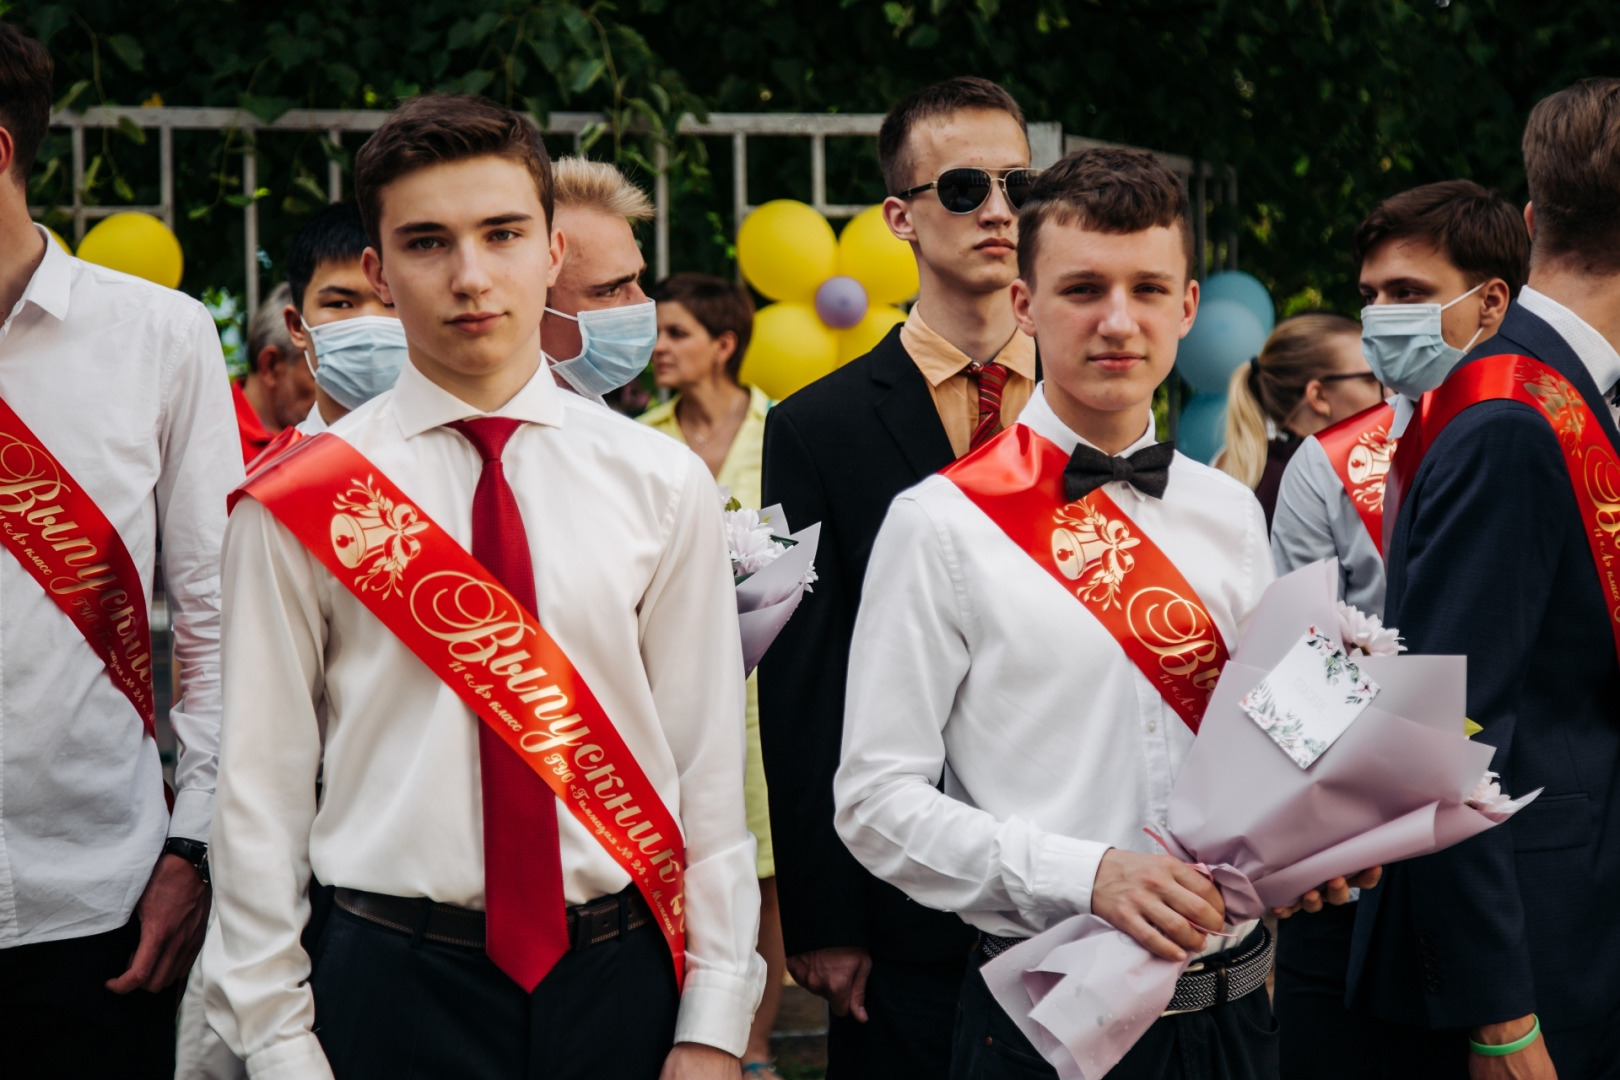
1224,335
1201,432
1243,288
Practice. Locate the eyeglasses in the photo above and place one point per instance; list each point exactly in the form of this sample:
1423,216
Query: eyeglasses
1349,375
962,191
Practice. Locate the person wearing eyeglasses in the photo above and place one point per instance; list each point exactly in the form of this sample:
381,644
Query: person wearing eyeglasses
1309,375
956,160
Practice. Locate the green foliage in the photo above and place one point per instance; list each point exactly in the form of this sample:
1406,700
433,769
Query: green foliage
360,54
1322,106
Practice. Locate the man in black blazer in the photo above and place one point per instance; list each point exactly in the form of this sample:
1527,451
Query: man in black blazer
956,159
1489,557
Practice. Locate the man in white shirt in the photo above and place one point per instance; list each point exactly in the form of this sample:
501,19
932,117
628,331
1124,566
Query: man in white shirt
990,651
122,390
427,819
598,209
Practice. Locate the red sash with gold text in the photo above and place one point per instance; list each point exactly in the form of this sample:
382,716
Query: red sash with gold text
1094,551
463,624
285,439
64,541
1594,468
1360,450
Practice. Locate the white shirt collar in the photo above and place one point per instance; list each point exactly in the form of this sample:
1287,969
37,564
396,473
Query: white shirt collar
421,404
1593,349
52,284
1039,418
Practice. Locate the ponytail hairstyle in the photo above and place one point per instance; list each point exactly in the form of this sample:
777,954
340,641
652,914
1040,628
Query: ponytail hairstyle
1263,393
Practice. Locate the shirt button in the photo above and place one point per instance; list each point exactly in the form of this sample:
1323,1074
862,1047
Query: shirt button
1153,725
1163,824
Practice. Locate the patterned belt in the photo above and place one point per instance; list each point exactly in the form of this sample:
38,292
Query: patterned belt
588,924
1213,980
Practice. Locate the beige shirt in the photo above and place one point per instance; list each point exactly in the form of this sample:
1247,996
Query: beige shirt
956,394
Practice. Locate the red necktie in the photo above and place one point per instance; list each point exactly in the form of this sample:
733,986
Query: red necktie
991,377
525,924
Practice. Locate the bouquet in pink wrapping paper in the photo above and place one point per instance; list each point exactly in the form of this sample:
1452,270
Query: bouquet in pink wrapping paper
1316,758
773,569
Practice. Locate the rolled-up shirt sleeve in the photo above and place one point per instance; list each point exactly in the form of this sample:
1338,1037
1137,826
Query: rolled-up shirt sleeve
909,657
256,969
692,651
202,463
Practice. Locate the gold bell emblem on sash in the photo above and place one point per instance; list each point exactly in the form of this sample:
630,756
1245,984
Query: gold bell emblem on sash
1074,550
354,538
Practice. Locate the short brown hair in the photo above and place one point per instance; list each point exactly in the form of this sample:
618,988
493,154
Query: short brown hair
26,70
1478,231
1105,189
1572,163
436,129
717,304
961,94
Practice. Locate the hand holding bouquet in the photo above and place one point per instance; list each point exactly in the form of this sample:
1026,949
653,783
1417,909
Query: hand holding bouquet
773,569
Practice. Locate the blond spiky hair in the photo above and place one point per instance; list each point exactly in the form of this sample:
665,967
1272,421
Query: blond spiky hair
577,181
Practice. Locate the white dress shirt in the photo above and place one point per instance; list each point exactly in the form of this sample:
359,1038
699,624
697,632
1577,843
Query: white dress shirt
1593,349
124,382
314,423
1316,519
971,660
633,582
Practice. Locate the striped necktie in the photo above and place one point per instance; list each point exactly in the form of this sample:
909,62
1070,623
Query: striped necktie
991,377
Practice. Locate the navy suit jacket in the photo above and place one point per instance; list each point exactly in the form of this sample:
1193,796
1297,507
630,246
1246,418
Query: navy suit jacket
1489,558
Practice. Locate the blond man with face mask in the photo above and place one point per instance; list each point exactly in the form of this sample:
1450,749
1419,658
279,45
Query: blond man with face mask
956,163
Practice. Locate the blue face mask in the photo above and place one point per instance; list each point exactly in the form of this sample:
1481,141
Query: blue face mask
616,345
358,358
1404,346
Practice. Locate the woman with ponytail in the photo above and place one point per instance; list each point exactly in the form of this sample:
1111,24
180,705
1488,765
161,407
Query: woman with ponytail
1309,374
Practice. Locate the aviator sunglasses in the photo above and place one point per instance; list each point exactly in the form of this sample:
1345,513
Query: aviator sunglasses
962,191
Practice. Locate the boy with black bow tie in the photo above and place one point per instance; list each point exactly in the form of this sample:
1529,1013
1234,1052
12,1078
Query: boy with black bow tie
1041,625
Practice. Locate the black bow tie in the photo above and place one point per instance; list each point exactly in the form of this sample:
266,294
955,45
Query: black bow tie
1148,470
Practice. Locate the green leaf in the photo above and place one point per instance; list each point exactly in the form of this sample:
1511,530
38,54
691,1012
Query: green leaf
90,173
197,213
924,37
345,78
583,73
460,35
548,52
128,50
474,81
266,108
132,131
66,101
486,24
49,21
122,189
307,183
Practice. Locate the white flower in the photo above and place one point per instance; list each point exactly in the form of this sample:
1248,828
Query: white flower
749,542
1487,795
1367,633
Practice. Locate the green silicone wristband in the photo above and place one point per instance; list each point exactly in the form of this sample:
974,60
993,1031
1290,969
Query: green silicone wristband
1508,1048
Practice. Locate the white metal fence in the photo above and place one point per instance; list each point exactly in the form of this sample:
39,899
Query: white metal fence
1047,143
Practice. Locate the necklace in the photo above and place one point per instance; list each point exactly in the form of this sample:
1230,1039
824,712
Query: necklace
703,440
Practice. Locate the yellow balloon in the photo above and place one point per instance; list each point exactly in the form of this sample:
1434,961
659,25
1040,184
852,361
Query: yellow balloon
875,257
61,243
863,337
786,250
137,244
790,349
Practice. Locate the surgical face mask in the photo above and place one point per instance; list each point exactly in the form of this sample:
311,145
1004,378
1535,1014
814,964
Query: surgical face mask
1404,346
616,345
359,357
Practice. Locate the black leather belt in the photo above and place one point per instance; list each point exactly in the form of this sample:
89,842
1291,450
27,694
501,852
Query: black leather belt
1209,981
588,924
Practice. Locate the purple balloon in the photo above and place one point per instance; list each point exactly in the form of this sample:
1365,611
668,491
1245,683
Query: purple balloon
841,302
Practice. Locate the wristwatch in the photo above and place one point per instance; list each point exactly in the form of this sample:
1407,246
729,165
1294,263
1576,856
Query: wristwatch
194,852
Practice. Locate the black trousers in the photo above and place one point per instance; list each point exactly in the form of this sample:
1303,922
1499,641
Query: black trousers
1235,1041
58,1020
388,1007
1321,1038
911,1009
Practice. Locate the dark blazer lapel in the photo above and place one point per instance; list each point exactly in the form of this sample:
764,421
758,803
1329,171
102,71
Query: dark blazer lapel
1532,335
906,408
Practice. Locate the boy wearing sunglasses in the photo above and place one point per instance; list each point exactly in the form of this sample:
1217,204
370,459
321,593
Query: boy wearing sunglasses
956,160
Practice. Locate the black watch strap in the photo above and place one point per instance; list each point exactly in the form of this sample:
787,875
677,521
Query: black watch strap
194,852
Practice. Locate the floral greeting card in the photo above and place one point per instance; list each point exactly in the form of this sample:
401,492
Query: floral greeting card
1310,698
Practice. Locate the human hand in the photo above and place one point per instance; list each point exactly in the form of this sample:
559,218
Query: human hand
1531,1063
837,974
1335,892
1158,900
174,916
695,1061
